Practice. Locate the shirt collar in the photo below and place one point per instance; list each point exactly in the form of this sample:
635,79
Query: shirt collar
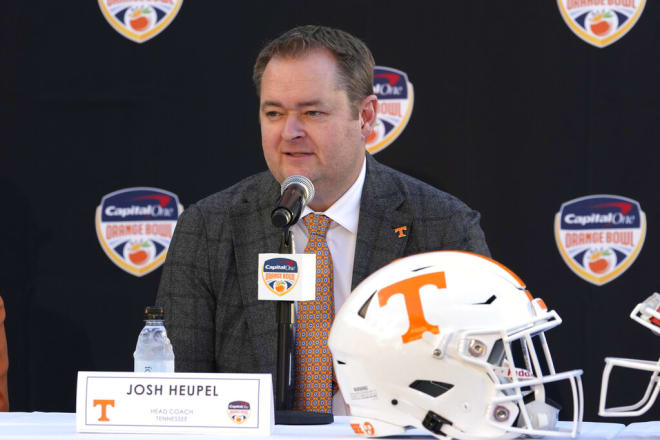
346,210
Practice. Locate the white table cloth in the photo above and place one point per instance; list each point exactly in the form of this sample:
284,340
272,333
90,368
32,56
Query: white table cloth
55,426
640,431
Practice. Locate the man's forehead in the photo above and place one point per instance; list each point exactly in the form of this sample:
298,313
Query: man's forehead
317,54
302,81
316,65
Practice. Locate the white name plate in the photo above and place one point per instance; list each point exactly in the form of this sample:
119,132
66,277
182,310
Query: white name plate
287,277
189,403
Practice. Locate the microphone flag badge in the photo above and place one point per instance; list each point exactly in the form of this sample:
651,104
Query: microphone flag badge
280,275
286,277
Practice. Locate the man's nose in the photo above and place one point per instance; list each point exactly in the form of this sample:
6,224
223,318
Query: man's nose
293,128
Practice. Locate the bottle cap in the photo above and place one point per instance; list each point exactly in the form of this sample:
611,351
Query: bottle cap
153,312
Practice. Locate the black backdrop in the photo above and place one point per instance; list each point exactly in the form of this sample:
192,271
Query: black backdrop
513,113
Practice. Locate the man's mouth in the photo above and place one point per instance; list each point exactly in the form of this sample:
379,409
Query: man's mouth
298,154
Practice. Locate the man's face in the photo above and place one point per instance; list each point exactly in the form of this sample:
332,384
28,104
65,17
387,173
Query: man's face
308,126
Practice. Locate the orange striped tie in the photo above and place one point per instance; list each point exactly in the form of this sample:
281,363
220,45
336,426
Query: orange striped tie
313,387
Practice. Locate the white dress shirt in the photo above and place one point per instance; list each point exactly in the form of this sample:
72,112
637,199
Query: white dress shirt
341,237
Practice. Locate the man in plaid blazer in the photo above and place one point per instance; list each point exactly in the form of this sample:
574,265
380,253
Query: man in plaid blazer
316,110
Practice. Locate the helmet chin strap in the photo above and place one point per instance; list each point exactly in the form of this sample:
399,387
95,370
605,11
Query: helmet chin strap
543,412
543,416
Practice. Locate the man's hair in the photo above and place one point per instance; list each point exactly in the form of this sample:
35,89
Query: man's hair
355,63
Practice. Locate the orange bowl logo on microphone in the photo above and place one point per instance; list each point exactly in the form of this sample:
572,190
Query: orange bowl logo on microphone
280,275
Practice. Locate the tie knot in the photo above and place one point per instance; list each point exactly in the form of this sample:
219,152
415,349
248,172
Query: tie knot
317,224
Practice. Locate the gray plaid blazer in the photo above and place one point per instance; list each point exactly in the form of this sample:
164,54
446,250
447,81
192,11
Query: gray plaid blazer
209,282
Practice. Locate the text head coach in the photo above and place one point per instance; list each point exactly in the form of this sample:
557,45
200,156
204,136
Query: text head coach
316,110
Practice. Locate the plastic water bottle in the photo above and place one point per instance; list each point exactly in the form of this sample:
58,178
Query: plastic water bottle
153,353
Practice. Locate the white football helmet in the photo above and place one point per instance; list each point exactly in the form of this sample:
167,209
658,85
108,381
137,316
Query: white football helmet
445,342
647,314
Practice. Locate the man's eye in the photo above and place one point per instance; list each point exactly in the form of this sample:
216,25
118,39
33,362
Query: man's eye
314,113
272,114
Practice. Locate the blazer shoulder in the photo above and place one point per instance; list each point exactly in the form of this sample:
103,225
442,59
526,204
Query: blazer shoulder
418,195
441,220
211,215
247,190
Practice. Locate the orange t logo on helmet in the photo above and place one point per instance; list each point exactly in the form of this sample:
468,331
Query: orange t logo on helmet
409,288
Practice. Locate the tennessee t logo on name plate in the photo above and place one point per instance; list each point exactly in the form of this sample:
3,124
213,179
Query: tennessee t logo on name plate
600,236
287,277
601,22
135,227
395,103
139,20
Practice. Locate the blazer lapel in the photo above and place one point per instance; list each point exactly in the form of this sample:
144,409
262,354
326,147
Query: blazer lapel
383,228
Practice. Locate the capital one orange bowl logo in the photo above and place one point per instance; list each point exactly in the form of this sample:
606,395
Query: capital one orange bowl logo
601,22
600,236
395,103
139,20
238,411
280,275
135,227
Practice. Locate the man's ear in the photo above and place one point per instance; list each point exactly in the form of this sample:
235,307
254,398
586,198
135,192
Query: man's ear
368,113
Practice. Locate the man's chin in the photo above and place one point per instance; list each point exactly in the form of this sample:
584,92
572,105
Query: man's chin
296,171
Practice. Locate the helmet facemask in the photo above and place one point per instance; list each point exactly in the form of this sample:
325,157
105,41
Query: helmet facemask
647,314
520,364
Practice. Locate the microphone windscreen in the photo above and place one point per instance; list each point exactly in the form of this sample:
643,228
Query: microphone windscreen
303,182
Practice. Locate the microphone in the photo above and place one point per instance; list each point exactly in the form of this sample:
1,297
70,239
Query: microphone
297,192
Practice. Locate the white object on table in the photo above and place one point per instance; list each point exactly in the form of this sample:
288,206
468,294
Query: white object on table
640,430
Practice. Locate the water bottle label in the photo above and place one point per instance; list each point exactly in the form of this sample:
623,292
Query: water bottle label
154,366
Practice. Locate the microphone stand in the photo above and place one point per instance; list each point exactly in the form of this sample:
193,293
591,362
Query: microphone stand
285,314
284,412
